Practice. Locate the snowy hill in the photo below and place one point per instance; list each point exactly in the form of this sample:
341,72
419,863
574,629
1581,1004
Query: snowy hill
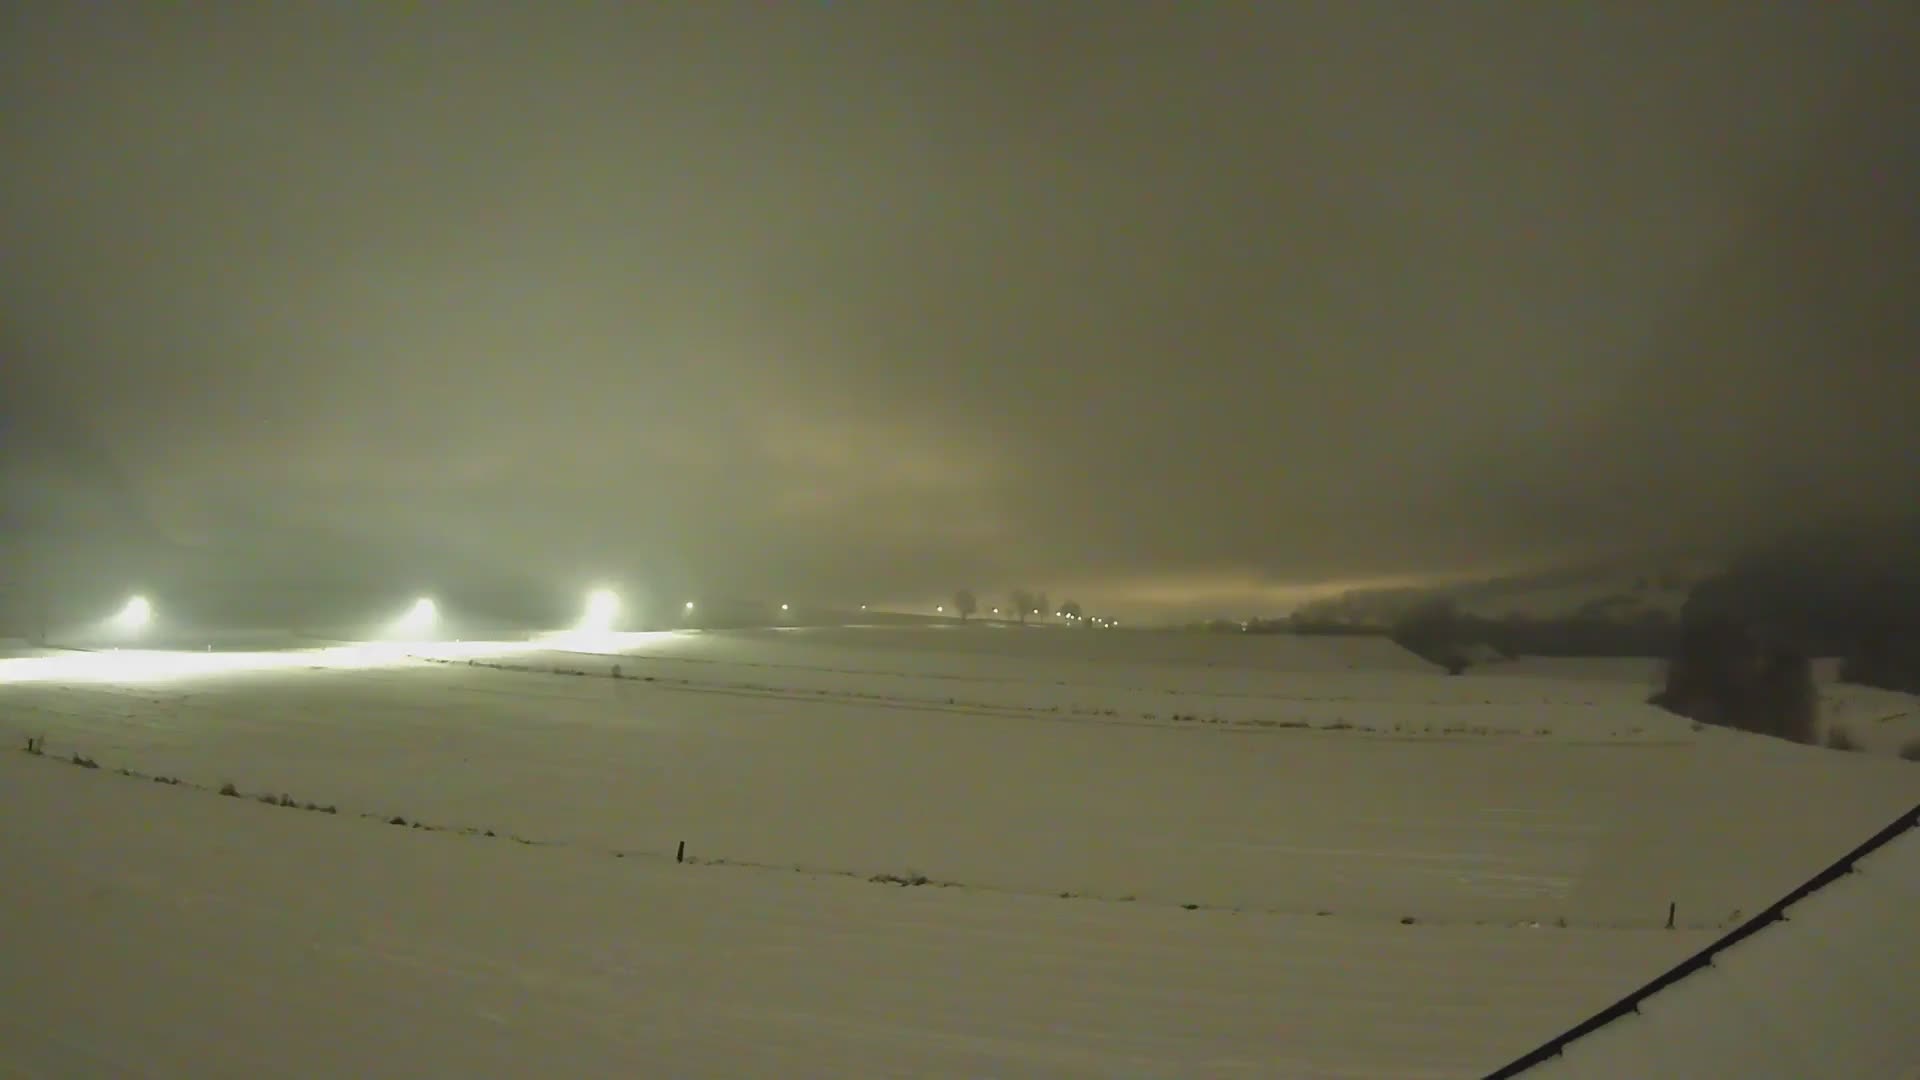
1618,592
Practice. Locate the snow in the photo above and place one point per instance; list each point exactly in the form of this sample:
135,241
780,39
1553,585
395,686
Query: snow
1534,830
1882,722
1631,674
153,930
1829,991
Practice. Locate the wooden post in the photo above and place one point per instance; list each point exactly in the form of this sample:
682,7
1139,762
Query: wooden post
681,854
1670,909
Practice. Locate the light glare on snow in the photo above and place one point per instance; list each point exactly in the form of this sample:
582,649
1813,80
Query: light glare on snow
137,666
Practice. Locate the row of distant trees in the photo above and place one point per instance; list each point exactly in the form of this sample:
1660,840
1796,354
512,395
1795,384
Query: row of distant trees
1022,602
1438,626
1719,670
1739,654
1740,676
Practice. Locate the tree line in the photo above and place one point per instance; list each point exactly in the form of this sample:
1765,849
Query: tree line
1020,605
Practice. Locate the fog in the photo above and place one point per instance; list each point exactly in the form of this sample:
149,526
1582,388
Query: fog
1183,309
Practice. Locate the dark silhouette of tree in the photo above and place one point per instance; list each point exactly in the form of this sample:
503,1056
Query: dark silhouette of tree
1433,630
965,603
1726,673
1787,703
1071,610
1884,656
1022,601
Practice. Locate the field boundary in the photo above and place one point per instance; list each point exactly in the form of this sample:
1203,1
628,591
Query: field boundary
36,747
1635,738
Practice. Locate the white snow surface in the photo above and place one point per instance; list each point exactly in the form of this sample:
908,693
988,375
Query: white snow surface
1877,721
1830,991
1392,872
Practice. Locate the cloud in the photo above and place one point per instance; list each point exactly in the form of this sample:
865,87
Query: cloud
1191,308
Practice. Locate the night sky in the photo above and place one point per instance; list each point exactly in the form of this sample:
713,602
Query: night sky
1170,308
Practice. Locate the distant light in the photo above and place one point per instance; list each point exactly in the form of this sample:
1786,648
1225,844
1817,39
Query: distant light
996,611
941,610
783,607
689,606
863,607
419,618
135,615
603,609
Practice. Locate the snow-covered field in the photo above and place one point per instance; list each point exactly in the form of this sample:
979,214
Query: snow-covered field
1145,854
1880,722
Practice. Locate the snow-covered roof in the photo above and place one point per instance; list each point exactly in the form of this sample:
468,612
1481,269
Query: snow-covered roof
1824,983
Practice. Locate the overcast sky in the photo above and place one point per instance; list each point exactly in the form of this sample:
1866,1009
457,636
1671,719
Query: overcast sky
1167,307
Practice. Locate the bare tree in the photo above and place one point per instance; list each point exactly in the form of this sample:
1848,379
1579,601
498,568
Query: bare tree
965,603
1071,611
1724,673
1432,630
1022,601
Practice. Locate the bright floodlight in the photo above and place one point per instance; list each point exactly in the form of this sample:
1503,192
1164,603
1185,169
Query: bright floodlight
689,605
603,607
783,607
135,615
419,618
